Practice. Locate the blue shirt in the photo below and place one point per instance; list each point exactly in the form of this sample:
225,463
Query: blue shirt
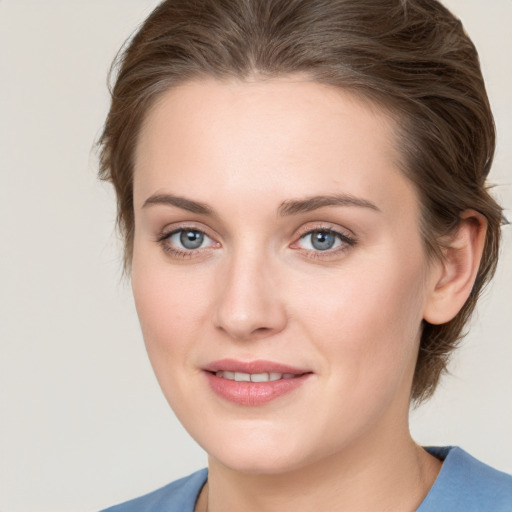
464,484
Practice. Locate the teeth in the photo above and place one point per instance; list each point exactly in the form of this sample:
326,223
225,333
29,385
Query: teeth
259,377
254,377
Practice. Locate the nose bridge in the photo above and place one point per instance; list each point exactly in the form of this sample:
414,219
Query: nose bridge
249,304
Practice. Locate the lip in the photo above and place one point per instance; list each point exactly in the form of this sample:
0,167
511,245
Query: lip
253,393
258,366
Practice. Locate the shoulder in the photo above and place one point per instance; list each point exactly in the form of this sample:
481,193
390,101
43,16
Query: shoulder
178,496
466,484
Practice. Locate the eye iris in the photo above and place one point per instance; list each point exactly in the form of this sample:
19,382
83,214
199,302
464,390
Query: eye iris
191,239
322,240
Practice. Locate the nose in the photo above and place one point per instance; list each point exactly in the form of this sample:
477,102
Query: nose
250,304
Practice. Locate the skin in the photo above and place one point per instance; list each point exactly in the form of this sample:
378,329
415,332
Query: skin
258,289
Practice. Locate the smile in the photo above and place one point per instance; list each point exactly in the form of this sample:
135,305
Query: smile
254,377
253,383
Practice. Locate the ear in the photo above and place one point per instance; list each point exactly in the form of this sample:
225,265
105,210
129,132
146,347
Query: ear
454,276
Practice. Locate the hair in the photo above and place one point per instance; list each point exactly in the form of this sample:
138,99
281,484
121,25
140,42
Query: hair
412,58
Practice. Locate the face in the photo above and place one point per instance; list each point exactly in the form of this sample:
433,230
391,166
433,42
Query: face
278,270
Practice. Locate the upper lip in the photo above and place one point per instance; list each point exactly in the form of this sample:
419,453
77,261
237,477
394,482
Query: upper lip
258,366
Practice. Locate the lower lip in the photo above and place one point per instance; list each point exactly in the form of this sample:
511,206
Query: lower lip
253,393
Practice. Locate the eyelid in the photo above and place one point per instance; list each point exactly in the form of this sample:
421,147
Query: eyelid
347,238
163,239
175,232
326,226
173,228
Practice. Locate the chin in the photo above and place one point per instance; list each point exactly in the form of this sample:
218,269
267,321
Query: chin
254,453
258,463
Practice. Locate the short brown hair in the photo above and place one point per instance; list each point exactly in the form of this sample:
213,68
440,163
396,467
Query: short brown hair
411,57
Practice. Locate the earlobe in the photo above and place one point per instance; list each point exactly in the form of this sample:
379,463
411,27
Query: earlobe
457,272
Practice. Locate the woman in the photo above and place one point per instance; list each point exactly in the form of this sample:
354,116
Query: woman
301,190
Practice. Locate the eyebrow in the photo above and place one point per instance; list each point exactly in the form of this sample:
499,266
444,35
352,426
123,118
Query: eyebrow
289,207
295,206
180,202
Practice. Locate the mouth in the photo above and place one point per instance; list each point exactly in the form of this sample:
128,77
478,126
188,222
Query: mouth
253,383
255,377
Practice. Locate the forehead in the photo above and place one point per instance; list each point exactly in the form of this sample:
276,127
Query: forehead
287,136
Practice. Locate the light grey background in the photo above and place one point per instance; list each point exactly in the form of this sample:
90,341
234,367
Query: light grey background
82,421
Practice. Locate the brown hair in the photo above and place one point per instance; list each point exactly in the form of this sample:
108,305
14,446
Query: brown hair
411,57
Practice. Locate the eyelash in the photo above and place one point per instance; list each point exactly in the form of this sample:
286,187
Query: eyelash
164,237
346,240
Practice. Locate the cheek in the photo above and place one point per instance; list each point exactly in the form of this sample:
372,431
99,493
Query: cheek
358,298
367,319
171,313
171,306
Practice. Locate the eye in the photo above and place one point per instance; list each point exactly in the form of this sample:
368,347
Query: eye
324,240
320,240
188,238
184,241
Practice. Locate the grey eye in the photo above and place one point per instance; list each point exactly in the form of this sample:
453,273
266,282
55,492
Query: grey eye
322,240
186,240
191,239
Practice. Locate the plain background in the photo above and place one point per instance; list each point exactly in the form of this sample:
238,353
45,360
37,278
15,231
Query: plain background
83,423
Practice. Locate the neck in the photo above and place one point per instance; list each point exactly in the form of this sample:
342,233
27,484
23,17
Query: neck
393,474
